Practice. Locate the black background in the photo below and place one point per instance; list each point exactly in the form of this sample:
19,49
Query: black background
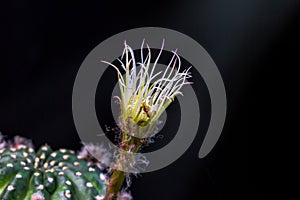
253,43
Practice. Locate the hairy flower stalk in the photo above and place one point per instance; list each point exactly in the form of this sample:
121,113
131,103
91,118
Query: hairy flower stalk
144,96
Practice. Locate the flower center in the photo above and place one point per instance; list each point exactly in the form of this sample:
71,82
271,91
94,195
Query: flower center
140,115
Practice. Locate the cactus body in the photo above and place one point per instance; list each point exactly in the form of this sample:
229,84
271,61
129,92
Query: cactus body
47,174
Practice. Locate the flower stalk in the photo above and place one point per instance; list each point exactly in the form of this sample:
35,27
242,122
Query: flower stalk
144,96
118,176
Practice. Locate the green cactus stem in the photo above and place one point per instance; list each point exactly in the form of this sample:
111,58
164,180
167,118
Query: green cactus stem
47,174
